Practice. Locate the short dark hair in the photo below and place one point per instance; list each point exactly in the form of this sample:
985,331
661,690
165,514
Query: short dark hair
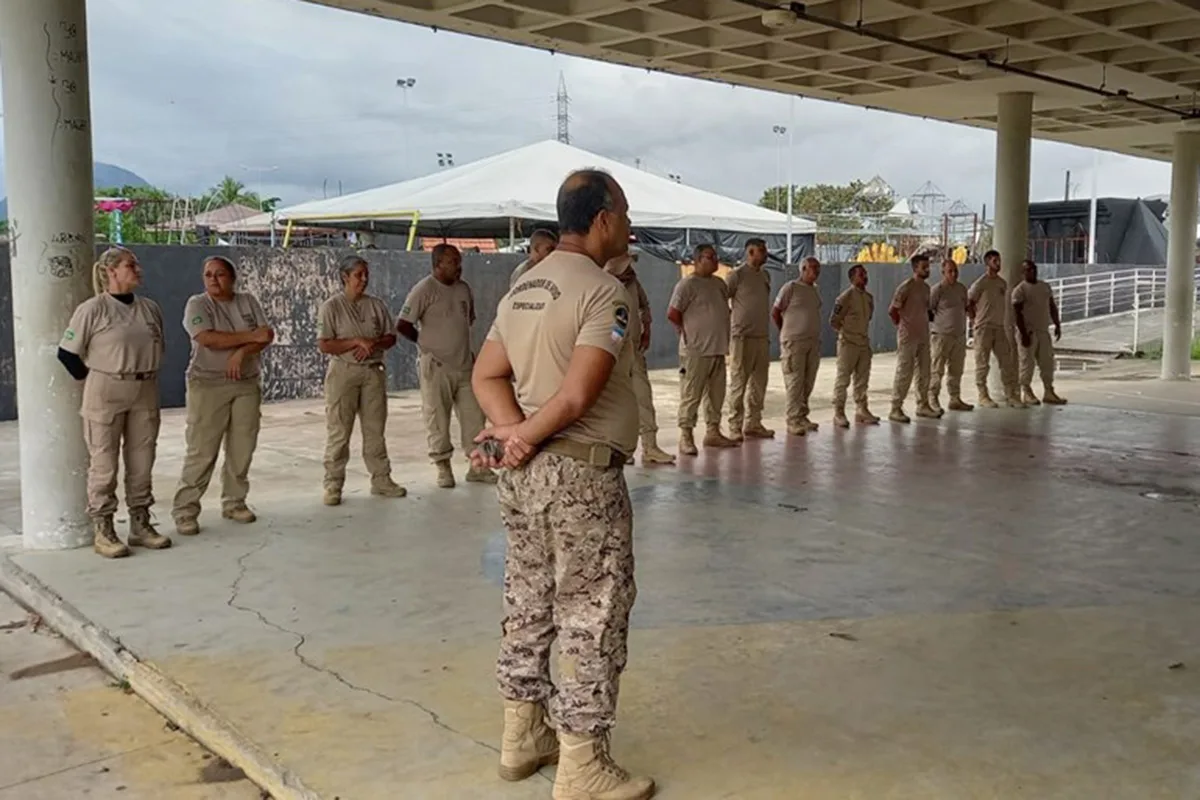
850,272
701,248
543,233
1029,262
991,254
755,242
441,249
582,196
917,258
225,262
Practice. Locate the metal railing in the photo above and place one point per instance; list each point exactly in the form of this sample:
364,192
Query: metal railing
1130,291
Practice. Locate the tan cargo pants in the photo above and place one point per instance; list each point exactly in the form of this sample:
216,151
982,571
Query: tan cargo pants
912,355
119,416
355,391
749,365
949,357
218,411
568,576
800,359
701,378
853,361
647,418
991,339
444,390
1041,353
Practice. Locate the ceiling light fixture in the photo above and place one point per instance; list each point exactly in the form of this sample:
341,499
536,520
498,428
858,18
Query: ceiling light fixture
976,66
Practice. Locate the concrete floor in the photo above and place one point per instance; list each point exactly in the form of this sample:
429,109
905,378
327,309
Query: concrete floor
985,606
67,731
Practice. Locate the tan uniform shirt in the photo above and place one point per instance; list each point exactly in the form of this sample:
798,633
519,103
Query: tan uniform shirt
704,305
567,301
115,338
639,306
949,306
520,270
800,305
1035,299
203,313
365,318
750,296
444,315
912,301
853,309
989,296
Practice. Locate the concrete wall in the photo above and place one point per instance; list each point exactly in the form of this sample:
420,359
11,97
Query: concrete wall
291,284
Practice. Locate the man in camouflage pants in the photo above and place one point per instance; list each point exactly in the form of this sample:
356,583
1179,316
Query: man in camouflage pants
555,378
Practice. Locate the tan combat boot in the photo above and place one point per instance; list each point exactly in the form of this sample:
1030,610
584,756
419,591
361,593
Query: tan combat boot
104,539
1052,399
864,416
142,532
333,497
239,513
985,398
1012,398
898,415
529,743
927,411
652,453
714,438
480,475
797,429
812,426
187,526
388,488
756,430
935,403
445,475
839,417
687,442
587,772
958,404
1028,397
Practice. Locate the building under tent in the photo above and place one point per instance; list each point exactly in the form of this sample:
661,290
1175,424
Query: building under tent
1128,231
507,196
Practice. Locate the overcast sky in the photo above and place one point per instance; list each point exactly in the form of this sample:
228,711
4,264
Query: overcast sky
289,97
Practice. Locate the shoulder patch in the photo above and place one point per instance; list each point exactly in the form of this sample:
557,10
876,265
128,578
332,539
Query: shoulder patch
69,335
196,320
620,320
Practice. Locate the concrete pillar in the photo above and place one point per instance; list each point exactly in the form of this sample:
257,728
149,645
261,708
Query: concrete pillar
48,170
1014,138
1181,257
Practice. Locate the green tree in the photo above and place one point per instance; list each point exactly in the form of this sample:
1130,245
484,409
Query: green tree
230,191
837,209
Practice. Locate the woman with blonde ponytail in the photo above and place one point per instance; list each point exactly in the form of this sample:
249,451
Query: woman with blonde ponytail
114,344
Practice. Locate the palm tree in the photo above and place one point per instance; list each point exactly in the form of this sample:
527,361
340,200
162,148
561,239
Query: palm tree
230,191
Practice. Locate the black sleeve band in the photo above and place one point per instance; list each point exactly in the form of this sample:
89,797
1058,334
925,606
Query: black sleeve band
74,364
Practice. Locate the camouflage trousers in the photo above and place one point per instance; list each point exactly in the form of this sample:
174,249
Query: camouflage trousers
568,574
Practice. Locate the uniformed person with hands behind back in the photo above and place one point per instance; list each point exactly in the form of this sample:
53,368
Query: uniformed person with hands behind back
355,330
228,330
114,344
555,379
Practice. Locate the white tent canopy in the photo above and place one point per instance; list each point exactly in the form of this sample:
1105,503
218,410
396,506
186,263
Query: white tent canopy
522,185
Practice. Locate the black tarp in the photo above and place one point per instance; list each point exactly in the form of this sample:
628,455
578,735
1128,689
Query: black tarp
675,244
1128,231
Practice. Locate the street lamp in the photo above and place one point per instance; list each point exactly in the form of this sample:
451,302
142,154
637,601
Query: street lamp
404,84
780,131
445,159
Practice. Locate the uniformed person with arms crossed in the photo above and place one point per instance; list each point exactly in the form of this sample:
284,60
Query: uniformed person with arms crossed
948,315
750,348
851,319
541,244
114,344
228,330
355,330
438,314
640,320
555,379
1034,310
797,314
699,310
987,300
910,313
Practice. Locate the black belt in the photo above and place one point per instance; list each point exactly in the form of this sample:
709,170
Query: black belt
129,376
597,455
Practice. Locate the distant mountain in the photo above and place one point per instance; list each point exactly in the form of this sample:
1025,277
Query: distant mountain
105,176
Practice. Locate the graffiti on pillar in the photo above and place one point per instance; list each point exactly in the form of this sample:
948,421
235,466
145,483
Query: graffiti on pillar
14,235
61,266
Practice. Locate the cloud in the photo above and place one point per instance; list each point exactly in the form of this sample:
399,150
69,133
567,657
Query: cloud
292,98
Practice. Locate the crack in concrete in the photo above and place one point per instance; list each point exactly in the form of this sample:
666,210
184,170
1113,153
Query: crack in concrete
302,639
